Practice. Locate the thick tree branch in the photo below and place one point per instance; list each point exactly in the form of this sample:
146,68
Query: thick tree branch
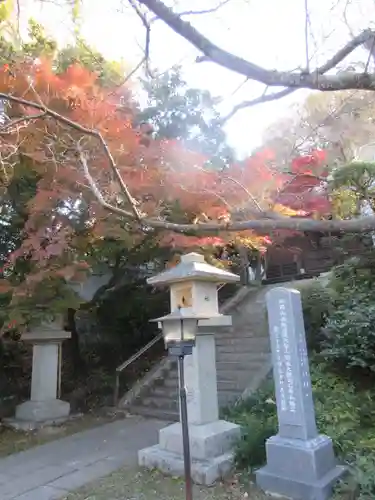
364,224
312,80
294,223
300,224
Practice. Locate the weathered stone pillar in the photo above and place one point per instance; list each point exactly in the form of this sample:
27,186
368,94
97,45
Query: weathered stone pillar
43,406
201,383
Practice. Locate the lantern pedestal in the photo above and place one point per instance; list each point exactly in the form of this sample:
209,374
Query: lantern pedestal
211,439
210,447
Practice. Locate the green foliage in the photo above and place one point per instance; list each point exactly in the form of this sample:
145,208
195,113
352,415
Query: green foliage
187,114
40,44
350,327
356,274
350,333
358,174
110,73
361,484
317,305
354,183
342,412
6,8
258,420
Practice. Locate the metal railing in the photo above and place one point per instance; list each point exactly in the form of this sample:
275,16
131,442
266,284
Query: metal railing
140,353
130,361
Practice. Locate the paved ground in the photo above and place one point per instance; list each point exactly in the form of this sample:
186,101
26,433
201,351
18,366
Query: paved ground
51,471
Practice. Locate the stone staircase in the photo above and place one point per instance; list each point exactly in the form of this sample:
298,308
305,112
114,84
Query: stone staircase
243,359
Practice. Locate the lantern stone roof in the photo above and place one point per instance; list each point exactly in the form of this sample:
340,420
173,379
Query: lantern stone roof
193,267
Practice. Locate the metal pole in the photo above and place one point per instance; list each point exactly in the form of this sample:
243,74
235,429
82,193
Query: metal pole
59,347
185,429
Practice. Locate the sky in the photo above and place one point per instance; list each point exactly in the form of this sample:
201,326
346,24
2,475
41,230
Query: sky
269,32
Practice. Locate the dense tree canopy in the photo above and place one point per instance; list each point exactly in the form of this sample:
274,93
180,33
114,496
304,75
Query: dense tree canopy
104,175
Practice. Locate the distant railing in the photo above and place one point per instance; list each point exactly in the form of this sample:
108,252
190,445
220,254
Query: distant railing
142,351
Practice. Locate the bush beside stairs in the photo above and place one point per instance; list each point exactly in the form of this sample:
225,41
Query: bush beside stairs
243,360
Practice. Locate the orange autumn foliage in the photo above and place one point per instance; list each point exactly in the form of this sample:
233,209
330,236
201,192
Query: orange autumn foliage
88,119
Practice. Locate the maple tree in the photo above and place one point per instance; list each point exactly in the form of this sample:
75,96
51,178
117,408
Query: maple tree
80,140
99,178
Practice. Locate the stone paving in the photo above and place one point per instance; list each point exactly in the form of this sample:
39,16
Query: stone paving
51,471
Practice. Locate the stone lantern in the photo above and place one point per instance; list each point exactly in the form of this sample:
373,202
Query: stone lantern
193,284
43,406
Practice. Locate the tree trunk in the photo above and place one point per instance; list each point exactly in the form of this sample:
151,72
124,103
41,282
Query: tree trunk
78,362
258,271
244,264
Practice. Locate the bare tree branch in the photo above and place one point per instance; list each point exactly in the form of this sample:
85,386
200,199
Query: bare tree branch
9,127
307,24
204,11
258,100
147,26
130,75
312,80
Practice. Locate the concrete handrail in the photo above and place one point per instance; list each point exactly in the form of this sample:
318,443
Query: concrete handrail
131,360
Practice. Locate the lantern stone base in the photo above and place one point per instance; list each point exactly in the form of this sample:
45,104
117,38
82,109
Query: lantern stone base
33,414
299,469
210,447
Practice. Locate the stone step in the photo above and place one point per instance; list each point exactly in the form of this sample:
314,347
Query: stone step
227,373
232,385
163,403
237,382
169,392
171,382
252,358
258,343
242,334
253,351
160,414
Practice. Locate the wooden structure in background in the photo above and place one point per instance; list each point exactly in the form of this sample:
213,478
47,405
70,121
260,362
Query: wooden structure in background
306,255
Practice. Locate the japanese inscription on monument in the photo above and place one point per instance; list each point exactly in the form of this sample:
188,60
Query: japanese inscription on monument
290,364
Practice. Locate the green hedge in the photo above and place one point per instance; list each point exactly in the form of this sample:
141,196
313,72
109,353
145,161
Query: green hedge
342,412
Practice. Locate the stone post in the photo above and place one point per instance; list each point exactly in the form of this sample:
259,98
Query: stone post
300,462
200,373
43,406
193,283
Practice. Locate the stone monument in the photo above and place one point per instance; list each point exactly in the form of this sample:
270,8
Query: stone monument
300,462
43,406
193,283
